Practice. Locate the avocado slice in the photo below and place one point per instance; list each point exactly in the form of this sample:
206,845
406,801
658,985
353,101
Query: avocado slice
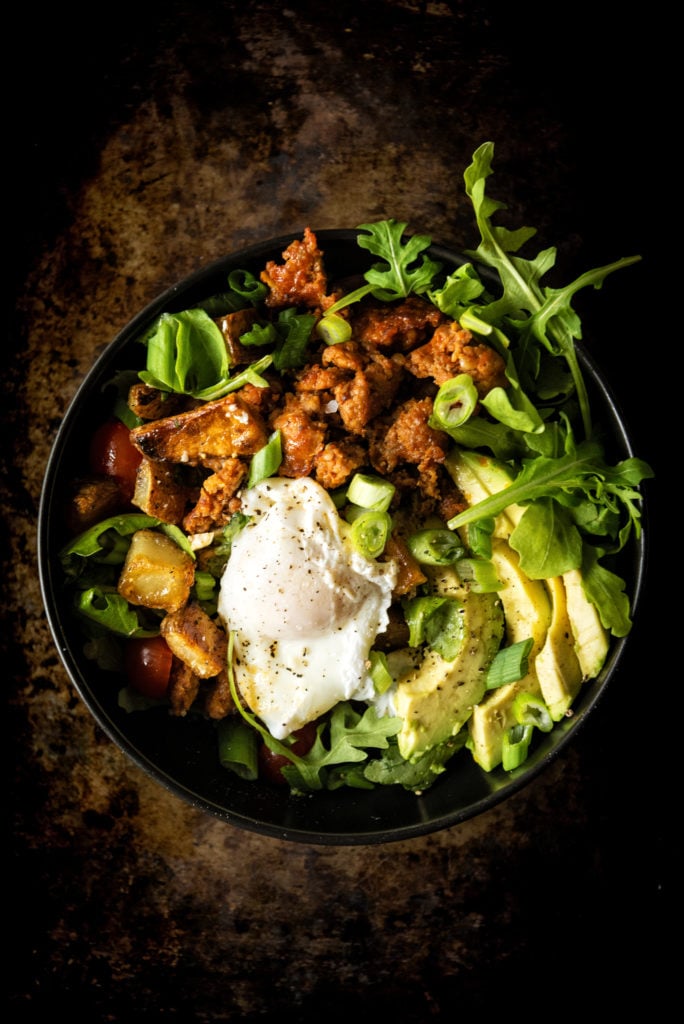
557,665
477,477
436,697
528,613
570,643
591,638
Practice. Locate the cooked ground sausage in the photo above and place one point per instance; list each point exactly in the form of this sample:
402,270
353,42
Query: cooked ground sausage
216,503
301,280
396,327
453,350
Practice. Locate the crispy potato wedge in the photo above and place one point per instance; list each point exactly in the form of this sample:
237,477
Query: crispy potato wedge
158,493
157,573
196,640
225,428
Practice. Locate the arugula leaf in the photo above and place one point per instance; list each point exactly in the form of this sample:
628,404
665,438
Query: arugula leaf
416,776
342,739
582,470
459,292
348,735
560,549
100,541
112,612
606,591
540,314
403,274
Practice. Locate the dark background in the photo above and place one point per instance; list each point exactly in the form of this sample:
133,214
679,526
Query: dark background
125,903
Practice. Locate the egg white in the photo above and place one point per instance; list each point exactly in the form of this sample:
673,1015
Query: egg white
304,606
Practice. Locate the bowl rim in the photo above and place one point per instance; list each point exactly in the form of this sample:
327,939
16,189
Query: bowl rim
292,830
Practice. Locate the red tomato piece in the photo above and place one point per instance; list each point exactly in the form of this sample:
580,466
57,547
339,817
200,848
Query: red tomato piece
147,662
271,764
112,454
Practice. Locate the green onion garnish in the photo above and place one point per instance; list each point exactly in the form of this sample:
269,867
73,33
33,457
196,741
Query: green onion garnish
333,329
454,403
370,492
369,532
237,746
480,574
267,460
436,546
379,671
509,665
515,746
531,710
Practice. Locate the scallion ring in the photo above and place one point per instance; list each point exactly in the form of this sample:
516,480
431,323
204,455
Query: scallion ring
267,460
515,746
333,329
510,664
379,671
531,710
438,546
369,532
454,403
371,492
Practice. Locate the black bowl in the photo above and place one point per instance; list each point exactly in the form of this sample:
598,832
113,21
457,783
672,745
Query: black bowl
181,754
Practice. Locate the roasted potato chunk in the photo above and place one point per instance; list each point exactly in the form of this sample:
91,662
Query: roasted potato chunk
225,428
196,639
158,492
157,573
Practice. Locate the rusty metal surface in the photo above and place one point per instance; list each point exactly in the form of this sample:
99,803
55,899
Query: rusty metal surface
151,143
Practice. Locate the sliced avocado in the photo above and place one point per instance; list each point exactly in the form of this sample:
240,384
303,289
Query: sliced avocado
527,612
477,477
526,603
436,697
557,665
591,638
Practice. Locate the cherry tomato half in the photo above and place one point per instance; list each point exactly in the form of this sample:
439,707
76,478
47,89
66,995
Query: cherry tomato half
112,454
270,764
147,663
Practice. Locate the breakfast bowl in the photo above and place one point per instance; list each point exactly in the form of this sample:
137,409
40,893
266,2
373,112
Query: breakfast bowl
179,751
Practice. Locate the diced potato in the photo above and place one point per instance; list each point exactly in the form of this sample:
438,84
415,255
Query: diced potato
158,493
196,639
157,573
224,428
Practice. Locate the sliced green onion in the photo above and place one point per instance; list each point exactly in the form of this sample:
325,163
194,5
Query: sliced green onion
480,536
247,286
267,460
531,710
509,665
515,746
333,329
436,621
480,574
205,585
435,547
454,403
294,330
259,334
417,612
370,492
379,671
369,532
237,746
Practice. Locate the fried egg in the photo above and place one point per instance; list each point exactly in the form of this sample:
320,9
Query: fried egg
303,605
